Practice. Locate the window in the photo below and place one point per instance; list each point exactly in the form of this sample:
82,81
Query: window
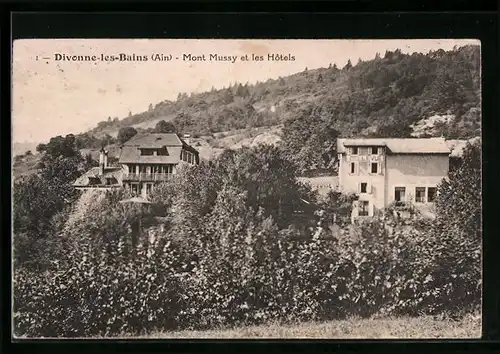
148,188
147,152
132,169
364,187
363,208
374,167
162,152
374,150
135,189
354,150
431,194
399,194
353,167
420,194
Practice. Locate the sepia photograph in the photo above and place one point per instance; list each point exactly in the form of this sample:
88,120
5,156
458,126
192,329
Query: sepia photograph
234,189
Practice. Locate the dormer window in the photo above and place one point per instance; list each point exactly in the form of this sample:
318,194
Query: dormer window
162,152
147,152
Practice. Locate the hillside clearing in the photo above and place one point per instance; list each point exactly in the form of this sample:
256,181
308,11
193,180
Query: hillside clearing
405,328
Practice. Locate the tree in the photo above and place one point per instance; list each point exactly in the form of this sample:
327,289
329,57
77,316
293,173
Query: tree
164,127
59,146
107,140
279,196
37,200
337,207
192,195
125,134
310,141
458,204
228,96
348,66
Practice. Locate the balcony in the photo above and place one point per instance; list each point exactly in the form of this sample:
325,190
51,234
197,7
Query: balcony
147,177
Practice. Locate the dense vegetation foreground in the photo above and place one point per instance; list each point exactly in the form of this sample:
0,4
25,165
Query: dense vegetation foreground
237,241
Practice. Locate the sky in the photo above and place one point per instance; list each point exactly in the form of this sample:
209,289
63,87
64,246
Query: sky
54,97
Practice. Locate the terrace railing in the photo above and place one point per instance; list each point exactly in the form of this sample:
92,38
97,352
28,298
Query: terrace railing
147,177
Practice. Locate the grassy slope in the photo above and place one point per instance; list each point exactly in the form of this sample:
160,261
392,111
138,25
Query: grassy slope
418,328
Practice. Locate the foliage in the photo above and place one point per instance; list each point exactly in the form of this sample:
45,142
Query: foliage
228,257
164,127
86,140
459,211
379,97
37,200
459,199
268,178
337,207
242,273
125,134
59,147
310,141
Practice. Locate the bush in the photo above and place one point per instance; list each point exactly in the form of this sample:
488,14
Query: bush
228,258
242,272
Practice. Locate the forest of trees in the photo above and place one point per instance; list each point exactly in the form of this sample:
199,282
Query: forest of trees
379,97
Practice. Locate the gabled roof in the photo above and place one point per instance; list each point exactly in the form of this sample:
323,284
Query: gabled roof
154,140
92,178
399,146
131,153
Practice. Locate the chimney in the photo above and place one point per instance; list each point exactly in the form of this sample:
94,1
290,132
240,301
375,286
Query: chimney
187,139
103,160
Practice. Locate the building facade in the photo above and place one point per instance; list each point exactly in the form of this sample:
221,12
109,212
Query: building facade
144,161
384,172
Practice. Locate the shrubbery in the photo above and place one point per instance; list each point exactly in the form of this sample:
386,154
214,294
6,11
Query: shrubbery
229,255
248,276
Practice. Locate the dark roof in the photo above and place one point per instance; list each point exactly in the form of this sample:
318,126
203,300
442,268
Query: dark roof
92,178
154,140
131,153
400,146
189,148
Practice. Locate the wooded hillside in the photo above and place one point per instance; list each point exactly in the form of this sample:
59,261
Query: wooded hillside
383,97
